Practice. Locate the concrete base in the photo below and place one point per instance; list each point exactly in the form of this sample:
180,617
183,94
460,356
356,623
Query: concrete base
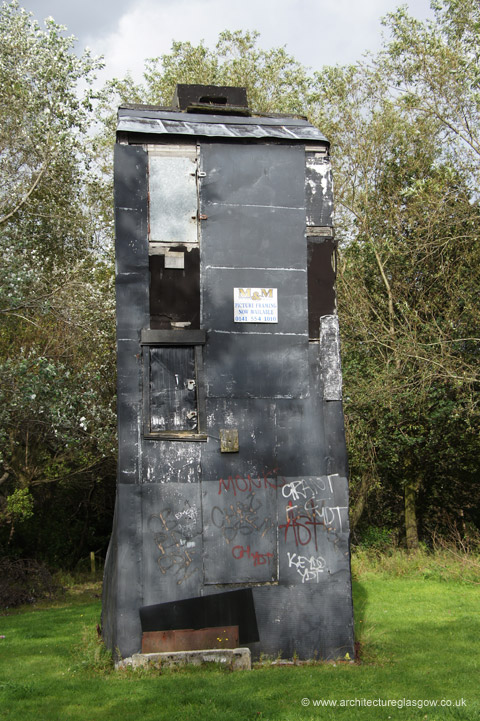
237,659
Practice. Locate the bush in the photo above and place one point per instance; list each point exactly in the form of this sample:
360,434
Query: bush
24,580
378,539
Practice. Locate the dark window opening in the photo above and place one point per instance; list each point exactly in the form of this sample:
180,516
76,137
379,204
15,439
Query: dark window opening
175,291
321,282
213,100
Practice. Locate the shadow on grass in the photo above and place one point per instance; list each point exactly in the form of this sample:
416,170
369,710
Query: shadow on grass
360,603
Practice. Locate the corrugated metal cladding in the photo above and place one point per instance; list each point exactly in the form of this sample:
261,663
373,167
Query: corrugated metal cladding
226,321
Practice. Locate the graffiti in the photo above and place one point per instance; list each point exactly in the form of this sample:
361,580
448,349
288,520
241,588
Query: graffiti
308,568
304,521
259,559
189,513
299,488
295,490
310,518
240,484
176,545
241,518
302,524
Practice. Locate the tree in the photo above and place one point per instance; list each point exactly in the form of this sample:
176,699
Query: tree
404,143
56,299
433,68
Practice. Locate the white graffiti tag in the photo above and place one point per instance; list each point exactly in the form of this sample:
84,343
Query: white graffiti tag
308,568
298,489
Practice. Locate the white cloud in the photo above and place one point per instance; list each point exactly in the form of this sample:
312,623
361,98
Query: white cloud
316,32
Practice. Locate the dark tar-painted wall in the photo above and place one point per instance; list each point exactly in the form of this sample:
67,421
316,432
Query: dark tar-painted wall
226,321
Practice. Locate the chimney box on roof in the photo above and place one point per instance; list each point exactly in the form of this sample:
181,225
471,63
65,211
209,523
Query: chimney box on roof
210,97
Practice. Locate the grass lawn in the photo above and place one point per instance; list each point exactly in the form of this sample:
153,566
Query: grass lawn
419,638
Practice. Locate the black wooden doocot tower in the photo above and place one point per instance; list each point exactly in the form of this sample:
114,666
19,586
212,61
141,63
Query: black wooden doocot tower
232,470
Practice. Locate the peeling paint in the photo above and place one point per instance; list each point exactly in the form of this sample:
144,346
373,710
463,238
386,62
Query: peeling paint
330,358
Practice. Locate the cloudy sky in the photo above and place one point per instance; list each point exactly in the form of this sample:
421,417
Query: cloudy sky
315,32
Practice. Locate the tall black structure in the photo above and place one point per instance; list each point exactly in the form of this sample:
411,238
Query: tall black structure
232,470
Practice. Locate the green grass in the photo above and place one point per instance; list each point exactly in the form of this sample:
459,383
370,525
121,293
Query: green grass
419,637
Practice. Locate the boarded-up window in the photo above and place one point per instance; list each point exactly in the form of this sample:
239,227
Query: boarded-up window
172,388
173,396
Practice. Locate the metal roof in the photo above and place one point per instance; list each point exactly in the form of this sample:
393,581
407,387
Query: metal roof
162,121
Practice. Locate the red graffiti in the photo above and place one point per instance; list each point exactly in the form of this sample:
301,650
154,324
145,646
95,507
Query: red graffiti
239,484
303,523
259,559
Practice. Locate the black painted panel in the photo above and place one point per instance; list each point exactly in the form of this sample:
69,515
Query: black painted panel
218,305
238,492
230,608
313,529
335,438
129,367
109,587
306,620
172,541
166,461
127,569
252,175
128,439
130,177
255,420
258,236
132,303
239,530
256,366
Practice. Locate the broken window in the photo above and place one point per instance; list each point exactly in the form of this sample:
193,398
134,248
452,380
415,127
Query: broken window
173,237
321,281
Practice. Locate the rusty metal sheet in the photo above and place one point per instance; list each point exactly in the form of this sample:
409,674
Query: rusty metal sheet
189,639
230,608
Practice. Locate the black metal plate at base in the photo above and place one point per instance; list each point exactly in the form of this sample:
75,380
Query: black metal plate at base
232,608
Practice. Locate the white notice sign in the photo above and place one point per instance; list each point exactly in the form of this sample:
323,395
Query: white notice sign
255,305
